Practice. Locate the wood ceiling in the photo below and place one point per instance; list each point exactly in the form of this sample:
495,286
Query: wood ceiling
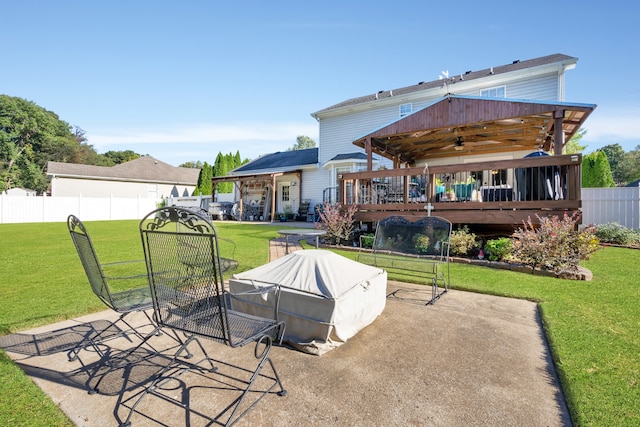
457,126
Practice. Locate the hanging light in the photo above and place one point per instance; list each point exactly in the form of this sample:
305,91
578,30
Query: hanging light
459,144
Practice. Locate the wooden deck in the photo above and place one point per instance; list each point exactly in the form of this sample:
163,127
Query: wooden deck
496,193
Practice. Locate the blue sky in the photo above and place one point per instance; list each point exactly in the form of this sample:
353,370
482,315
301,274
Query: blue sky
182,81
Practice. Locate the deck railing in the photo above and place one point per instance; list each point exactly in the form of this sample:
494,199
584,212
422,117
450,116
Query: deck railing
466,193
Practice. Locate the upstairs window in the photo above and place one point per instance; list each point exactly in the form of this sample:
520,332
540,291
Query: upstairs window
494,92
405,109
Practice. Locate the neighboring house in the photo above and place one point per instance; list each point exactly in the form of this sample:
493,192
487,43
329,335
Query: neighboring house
143,177
348,137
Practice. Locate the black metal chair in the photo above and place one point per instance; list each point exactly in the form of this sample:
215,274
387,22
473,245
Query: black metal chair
188,292
126,301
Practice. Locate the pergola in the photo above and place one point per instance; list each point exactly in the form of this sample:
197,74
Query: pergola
463,125
241,181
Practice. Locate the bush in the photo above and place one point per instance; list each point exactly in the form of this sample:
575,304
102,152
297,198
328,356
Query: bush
337,221
498,249
367,240
421,243
617,234
555,245
463,242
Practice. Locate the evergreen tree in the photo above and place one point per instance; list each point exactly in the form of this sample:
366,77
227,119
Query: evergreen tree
204,181
596,172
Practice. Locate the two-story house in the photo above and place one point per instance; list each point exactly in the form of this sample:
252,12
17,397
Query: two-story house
497,114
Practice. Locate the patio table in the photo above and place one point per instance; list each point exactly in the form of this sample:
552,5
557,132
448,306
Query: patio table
300,232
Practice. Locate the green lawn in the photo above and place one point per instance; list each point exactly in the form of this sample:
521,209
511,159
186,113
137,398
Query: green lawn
593,327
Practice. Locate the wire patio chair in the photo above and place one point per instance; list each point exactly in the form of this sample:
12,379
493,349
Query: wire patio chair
189,296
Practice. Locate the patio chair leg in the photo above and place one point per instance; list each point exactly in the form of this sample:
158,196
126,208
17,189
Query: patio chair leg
94,342
263,355
160,376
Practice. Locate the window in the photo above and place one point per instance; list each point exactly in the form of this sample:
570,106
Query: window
494,92
405,109
285,193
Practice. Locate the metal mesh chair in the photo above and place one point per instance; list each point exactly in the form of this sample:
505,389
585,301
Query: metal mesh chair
129,300
188,293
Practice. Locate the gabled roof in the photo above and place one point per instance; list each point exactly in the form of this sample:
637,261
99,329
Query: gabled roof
562,60
280,161
463,125
146,169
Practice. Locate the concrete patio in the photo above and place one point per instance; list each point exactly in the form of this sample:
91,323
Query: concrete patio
470,359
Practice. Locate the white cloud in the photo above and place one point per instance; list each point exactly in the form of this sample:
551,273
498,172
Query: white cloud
205,133
613,125
176,145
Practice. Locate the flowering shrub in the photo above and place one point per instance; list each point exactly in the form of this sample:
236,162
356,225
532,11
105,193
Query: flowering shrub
555,245
462,242
337,221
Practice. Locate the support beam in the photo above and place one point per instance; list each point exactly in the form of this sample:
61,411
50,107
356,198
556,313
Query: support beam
558,136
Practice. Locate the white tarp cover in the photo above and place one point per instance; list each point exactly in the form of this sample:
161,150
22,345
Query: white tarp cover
325,298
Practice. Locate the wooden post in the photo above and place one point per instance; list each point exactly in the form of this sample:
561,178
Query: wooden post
558,135
242,184
367,148
273,197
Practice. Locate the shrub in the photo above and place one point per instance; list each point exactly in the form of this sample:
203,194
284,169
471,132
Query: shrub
367,240
337,221
498,249
463,242
555,245
421,243
616,234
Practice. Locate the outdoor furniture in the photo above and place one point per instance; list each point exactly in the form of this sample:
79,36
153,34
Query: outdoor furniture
419,248
325,298
125,302
496,193
310,232
191,297
303,210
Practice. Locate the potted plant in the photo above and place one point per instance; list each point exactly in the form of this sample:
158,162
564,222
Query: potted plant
464,189
282,216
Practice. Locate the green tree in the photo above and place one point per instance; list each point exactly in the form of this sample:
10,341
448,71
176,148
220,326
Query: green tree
192,165
596,171
204,180
573,146
303,142
629,167
119,157
616,156
31,136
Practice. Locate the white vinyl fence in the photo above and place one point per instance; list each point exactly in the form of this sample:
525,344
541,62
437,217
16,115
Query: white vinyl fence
604,205
599,206
57,209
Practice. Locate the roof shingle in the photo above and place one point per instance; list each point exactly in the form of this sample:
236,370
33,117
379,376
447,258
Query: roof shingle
144,168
